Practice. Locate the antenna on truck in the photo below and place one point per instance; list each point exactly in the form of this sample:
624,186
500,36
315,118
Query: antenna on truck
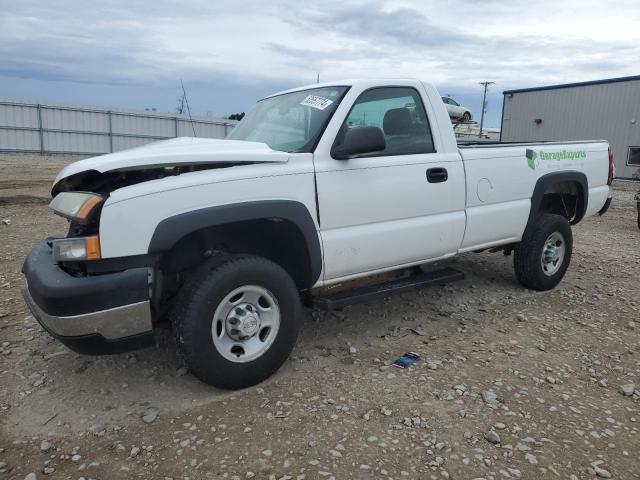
186,101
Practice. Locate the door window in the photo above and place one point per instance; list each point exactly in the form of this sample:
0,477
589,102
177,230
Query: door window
399,113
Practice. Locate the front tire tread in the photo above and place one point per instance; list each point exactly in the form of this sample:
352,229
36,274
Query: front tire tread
192,315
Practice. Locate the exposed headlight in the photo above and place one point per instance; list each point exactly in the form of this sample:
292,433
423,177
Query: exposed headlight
76,249
76,206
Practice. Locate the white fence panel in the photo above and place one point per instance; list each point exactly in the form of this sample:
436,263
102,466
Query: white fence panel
17,115
123,143
59,142
20,140
44,128
144,126
203,129
74,120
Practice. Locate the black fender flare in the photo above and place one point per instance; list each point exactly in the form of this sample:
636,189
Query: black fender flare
548,180
170,230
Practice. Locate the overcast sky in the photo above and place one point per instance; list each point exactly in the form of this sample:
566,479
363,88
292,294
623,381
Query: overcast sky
133,53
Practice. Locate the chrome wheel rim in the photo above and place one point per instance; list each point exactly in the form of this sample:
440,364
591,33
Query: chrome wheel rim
553,253
246,323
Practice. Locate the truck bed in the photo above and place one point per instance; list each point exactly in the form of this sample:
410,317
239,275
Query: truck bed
501,178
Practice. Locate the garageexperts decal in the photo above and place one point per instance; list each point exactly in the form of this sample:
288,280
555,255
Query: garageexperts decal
552,159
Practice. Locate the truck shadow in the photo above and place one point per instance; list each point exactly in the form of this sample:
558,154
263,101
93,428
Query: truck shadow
489,281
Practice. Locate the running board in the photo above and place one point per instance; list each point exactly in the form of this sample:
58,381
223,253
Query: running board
382,290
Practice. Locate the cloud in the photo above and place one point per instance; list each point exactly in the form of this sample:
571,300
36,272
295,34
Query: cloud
399,27
248,45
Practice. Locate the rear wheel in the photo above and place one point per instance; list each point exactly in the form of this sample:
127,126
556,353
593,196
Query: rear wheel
542,257
236,321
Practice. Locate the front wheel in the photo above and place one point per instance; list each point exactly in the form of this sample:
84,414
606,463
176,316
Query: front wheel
542,257
236,321
466,117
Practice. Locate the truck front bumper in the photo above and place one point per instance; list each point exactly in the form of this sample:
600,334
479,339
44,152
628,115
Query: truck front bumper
93,315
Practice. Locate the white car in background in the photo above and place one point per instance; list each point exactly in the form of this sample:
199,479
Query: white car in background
457,111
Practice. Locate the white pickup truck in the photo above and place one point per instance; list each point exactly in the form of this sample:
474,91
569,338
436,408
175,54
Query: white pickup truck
316,187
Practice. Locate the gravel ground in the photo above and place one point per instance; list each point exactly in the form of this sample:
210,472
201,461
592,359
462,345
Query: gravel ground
511,383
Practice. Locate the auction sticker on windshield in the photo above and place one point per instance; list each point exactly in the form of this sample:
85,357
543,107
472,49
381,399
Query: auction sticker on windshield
314,101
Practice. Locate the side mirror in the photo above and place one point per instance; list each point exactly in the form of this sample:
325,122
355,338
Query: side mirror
359,140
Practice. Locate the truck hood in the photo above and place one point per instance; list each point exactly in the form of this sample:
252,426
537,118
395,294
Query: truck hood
177,152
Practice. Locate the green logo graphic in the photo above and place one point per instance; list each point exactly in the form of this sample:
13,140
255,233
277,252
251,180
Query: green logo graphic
563,155
534,158
531,159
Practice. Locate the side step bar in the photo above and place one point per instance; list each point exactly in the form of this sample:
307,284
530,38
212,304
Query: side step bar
382,290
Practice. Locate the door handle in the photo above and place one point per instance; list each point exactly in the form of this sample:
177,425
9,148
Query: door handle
437,175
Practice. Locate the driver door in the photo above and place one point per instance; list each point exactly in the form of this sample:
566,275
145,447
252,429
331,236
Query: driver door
383,210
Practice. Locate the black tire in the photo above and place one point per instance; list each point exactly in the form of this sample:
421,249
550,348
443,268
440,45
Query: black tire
197,301
527,259
466,117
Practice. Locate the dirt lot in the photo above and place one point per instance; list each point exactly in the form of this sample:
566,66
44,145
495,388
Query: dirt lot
542,371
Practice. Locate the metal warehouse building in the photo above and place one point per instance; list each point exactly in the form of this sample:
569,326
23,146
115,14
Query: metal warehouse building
602,109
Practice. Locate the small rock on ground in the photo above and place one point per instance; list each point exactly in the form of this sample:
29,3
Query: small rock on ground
627,389
492,437
150,415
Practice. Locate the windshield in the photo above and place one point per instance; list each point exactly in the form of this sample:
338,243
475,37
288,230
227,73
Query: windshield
290,122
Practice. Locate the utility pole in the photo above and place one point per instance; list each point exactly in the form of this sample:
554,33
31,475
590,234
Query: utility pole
318,78
484,102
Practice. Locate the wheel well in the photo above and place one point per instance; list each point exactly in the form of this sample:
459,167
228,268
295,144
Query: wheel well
565,198
277,239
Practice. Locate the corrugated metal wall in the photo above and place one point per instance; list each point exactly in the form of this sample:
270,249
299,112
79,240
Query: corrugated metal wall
609,111
26,127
